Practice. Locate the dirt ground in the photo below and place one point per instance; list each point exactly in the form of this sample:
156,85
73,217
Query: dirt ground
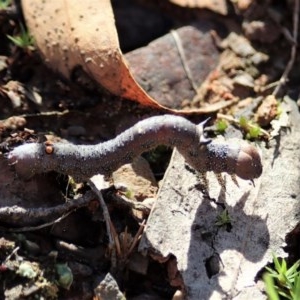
233,59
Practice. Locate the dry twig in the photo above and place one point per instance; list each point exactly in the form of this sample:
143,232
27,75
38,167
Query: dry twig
106,215
20,216
137,237
183,60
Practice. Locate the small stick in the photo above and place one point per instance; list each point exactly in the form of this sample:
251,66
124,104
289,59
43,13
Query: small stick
183,60
33,228
19,216
105,212
136,237
116,239
114,246
11,254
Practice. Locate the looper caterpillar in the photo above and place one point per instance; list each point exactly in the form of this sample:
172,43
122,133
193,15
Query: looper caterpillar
84,161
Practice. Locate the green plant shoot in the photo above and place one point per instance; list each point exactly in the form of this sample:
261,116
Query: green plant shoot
223,219
221,126
253,131
24,40
282,282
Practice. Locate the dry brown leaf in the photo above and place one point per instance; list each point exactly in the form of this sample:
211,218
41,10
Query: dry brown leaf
218,6
83,33
267,111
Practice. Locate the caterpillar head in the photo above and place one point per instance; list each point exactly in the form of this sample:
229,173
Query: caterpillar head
248,163
242,160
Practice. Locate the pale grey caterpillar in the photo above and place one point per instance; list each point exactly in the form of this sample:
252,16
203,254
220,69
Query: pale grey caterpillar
83,161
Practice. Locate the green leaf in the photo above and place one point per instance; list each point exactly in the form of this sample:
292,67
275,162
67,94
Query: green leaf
292,271
223,219
277,264
283,280
243,122
270,287
254,132
23,40
272,272
296,290
221,126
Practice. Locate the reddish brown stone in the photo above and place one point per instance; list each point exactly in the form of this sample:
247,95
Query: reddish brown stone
158,68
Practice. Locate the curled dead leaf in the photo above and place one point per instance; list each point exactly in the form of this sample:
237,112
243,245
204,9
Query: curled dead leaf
70,34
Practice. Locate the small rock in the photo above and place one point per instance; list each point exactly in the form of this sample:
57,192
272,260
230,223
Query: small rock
244,79
137,179
259,58
107,288
163,75
149,202
267,111
239,45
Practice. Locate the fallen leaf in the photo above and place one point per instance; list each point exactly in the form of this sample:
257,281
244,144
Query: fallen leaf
83,34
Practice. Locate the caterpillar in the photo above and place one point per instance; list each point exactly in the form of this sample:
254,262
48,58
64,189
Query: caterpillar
83,161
